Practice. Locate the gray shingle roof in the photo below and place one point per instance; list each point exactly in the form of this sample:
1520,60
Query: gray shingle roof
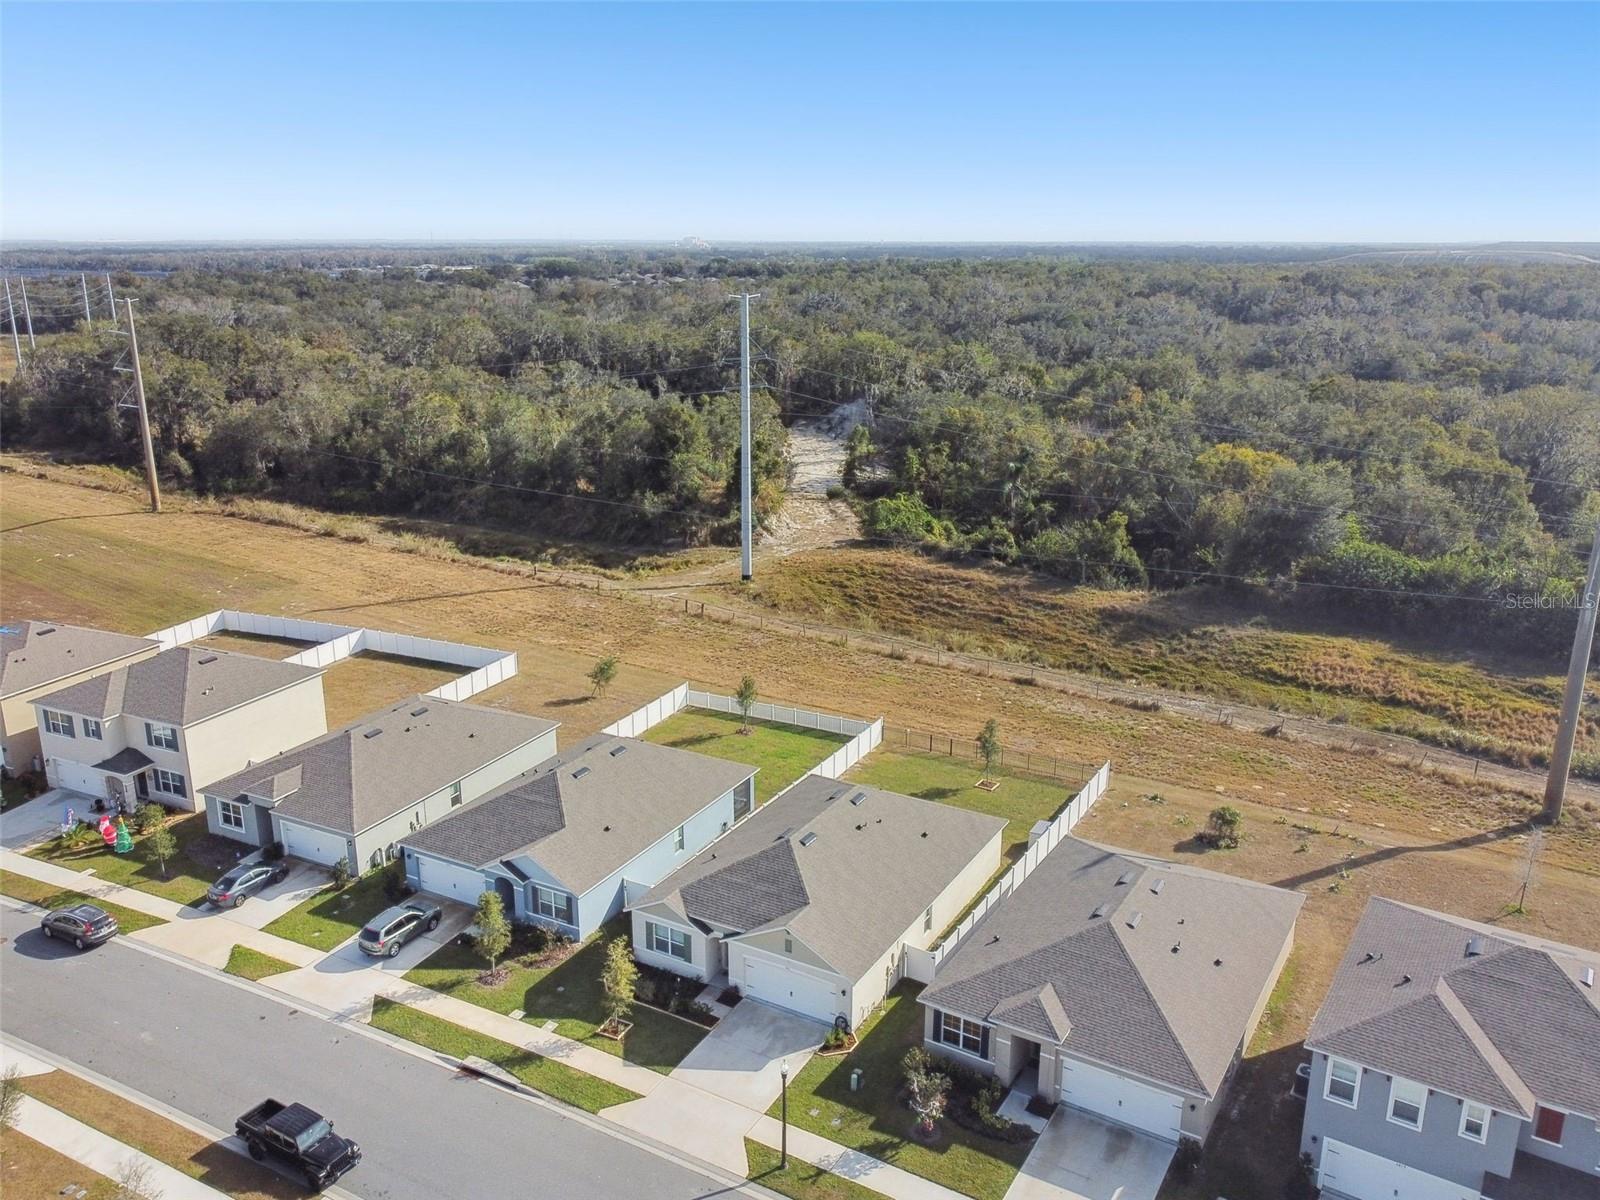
581,829
34,653
354,777
179,686
871,871
1508,1026
124,760
1041,960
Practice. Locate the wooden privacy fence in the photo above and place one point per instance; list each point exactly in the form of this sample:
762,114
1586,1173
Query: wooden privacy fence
335,642
864,735
920,964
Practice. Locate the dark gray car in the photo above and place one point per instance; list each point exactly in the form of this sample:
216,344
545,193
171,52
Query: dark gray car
244,880
83,925
394,927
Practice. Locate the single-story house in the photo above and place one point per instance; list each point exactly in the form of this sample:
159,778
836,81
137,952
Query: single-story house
355,792
810,904
566,842
166,727
38,657
1452,1060
1117,983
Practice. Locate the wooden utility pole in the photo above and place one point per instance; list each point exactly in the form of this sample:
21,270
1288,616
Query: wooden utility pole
144,416
11,312
1555,787
88,317
27,313
746,547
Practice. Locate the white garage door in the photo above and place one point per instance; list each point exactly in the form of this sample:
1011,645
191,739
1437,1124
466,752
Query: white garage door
450,881
778,984
1120,1099
1368,1176
313,845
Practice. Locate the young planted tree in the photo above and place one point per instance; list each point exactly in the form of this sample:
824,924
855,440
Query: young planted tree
617,978
162,844
927,1091
493,937
746,696
602,673
1224,827
989,746
10,1096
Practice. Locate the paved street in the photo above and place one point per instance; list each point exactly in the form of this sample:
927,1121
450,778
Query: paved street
211,1050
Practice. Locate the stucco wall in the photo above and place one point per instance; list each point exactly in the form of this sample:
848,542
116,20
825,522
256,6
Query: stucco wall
19,733
699,944
231,741
1437,1148
1580,1144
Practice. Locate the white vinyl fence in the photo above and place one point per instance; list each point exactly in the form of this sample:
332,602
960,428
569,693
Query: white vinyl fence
335,642
920,964
864,735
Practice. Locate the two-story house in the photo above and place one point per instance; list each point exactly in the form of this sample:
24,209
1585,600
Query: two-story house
1452,1061
38,657
567,843
165,727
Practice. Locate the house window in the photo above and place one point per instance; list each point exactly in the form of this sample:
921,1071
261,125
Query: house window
231,814
455,793
663,939
555,905
678,839
927,921
1475,1122
970,1037
58,723
91,728
1549,1124
1406,1102
1344,1082
164,737
170,782
788,944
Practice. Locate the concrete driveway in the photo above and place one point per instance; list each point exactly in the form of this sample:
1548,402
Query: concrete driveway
739,1060
347,956
1080,1157
260,910
39,819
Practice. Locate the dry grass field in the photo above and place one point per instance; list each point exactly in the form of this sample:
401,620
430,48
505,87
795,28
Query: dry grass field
1337,825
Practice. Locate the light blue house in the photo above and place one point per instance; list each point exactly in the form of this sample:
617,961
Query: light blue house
567,842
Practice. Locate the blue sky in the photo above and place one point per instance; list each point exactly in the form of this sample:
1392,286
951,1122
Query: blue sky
1076,122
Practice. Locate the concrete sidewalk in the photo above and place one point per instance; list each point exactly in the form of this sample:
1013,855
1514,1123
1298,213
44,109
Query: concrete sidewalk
852,1164
109,1157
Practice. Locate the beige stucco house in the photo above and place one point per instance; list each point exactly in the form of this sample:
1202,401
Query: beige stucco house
37,657
165,727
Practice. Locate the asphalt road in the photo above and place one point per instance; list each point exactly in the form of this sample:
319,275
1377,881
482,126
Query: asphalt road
211,1050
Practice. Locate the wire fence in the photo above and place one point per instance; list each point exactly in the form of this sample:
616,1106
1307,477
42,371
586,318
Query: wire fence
1012,760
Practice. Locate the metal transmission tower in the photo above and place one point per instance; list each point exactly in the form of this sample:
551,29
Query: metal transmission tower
746,565
144,415
1555,787
88,317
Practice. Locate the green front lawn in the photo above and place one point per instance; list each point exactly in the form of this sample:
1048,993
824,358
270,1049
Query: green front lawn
47,895
542,1074
781,752
330,917
252,964
875,1121
568,994
800,1179
201,858
1020,799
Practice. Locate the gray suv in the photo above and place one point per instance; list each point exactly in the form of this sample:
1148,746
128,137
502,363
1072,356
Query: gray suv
83,925
394,927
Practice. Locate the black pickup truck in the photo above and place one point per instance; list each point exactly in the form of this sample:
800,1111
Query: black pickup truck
300,1137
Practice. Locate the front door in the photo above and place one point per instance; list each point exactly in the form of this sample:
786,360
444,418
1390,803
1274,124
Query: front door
141,784
116,790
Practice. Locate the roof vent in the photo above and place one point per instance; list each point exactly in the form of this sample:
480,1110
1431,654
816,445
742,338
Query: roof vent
1156,887
42,632
1474,946
371,733
607,829
1133,921
1404,979
616,750
1177,945
417,712
1100,910
209,658
1588,977
1369,956
924,833
858,798
1125,878
1216,962
580,772
808,839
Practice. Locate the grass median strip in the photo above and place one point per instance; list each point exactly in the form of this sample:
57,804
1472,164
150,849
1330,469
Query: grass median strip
252,964
48,895
30,1168
545,1075
800,1179
331,917
196,1155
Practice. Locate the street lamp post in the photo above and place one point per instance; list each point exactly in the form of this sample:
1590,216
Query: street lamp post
783,1153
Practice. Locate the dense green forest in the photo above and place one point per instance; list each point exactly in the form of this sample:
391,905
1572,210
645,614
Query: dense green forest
1377,436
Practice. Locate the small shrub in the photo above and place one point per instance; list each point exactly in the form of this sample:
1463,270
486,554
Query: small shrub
836,491
731,995
1302,1184
76,838
341,874
1187,1159
395,887
272,852
147,817
1223,828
